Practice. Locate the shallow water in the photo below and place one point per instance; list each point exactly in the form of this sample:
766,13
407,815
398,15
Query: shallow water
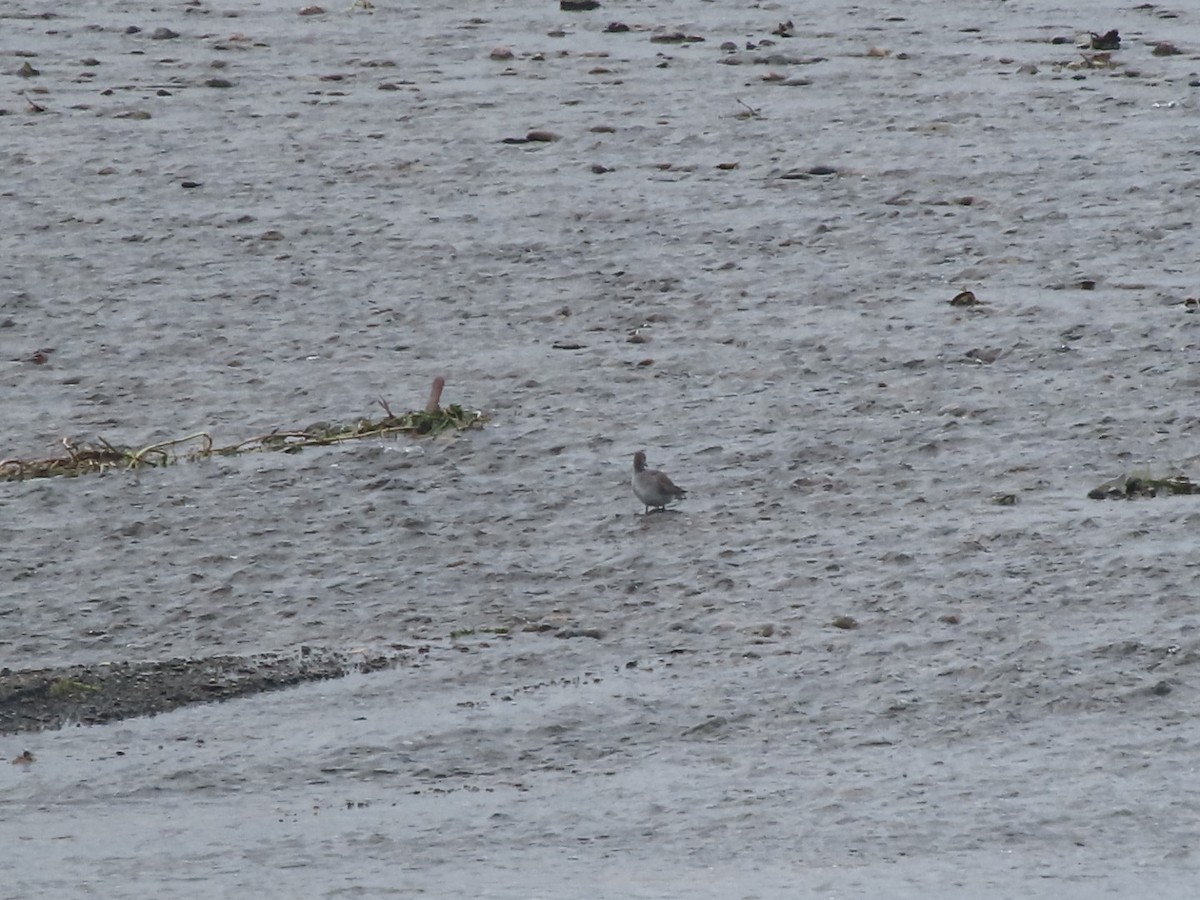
672,710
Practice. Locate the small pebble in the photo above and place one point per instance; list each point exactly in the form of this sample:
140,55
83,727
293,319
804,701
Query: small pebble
964,298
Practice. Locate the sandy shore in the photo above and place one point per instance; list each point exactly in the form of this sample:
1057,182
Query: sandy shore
268,220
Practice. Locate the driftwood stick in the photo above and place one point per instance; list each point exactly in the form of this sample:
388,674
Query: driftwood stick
435,395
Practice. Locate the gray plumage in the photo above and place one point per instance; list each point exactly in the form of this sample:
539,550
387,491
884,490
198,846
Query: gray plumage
653,487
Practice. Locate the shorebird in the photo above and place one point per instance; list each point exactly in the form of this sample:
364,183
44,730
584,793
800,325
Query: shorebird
653,487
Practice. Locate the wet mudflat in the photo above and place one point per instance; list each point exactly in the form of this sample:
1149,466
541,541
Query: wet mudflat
886,645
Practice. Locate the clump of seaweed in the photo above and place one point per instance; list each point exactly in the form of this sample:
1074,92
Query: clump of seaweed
82,458
1138,486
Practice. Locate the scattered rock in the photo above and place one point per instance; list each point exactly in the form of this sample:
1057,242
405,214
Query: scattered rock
28,71
578,5
785,29
984,356
1110,40
786,59
539,135
163,34
312,11
1165,48
616,28
789,81
500,53
846,623
964,298
567,633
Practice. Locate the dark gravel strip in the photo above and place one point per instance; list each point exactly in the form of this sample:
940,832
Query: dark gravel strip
40,699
